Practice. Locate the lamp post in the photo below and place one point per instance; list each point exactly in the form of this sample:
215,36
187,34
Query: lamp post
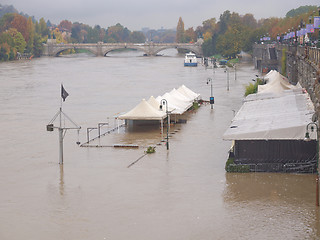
309,43
165,102
227,71
307,138
211,96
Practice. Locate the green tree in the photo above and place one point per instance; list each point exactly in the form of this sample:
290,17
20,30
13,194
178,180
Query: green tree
137,37
18,39
117,33
209,26
30,29
75,32
93,35
224,20
11,55
5,37
5,21
43,29
232,41
37,45
3,54
300,10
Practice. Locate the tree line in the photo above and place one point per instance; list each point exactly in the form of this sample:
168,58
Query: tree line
234,33
21,35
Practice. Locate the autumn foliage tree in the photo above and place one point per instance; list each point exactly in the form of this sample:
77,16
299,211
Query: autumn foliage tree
180,35
20,23
19,35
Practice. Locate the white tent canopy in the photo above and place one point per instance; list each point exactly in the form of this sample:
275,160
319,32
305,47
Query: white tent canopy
175,93
269,76
143,111
180,106
273,114
276,84
187,92
154,103
178,103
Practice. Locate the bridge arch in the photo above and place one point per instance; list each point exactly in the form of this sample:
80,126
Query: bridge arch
191,49
60,50
110,49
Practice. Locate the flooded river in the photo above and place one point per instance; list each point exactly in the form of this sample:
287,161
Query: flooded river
183,193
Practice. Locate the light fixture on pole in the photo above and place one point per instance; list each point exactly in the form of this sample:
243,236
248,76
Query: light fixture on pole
314,127
165,102
211,94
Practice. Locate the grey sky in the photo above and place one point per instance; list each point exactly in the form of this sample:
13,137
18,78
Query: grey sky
150,13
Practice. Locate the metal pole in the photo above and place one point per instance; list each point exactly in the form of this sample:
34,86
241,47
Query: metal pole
162,102
211,91
167,126
60,139
317,178
211,94
227,78
60,145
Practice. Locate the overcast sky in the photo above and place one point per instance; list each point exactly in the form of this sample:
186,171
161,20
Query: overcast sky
136,14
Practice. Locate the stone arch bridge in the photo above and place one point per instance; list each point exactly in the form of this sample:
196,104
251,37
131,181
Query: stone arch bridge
101,49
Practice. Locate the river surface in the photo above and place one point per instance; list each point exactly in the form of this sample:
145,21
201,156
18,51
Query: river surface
183,193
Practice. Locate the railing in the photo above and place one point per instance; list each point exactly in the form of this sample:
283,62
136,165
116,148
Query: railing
310,53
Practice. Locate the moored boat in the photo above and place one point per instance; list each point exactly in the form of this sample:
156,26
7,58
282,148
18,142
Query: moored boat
190,60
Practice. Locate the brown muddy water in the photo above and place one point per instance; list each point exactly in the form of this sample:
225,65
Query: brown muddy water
183,193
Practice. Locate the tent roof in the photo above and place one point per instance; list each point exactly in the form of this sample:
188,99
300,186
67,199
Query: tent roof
276,84
154,103
179,106
187,92
174,92
272,115
143,111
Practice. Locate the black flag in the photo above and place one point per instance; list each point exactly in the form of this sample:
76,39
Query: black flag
64,93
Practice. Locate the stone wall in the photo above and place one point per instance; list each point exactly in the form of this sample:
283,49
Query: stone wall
302,65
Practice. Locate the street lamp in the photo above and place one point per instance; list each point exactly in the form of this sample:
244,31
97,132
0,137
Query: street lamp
211,95
165,102
227,71
314,126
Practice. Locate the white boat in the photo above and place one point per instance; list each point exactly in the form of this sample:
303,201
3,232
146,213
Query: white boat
190,60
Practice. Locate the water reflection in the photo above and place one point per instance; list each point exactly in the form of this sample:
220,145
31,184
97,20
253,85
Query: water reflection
61,182
266,187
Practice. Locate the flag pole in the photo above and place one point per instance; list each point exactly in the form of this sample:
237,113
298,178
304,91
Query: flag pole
60,131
